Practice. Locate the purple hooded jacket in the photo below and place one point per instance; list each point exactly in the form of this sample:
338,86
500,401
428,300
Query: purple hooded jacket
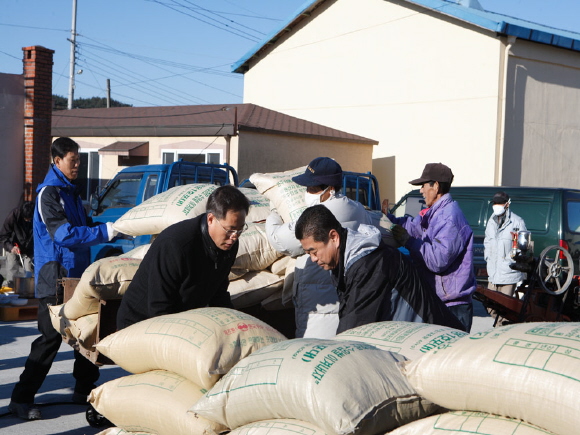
441,244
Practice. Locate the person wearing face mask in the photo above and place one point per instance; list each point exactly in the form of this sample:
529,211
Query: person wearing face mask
314,295
498,245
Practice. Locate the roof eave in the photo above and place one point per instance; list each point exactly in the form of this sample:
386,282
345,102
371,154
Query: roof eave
146,131
272,37
358,140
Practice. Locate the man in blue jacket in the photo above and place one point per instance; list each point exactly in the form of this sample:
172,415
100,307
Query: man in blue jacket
62,236
440,241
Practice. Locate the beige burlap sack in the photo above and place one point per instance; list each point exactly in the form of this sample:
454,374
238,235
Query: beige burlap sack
274,302
107,278
283,426
469,423
279,266
165,209
407,338
120,431
253,288
288,289
528,371
200,344
82,330
341,387
155,402
236,274
139,252
259,205
255,251
285,196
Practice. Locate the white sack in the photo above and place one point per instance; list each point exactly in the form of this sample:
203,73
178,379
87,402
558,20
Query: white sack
107,278
407,338
82,330
155,402
164,209
285,195
278,427
253,288
200,344
342,387
255,251
528,371
469,423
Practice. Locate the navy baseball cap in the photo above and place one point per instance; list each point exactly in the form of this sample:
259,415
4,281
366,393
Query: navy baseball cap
320,171
500,198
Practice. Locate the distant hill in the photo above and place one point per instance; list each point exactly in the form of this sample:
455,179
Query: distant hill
61,103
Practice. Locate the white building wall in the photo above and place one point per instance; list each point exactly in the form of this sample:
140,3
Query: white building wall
425,86
543,128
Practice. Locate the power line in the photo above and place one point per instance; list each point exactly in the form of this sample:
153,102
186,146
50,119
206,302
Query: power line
153,62
228,29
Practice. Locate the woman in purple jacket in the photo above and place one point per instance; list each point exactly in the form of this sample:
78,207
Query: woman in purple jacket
440,241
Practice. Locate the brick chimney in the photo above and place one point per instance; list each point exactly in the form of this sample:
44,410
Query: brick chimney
37,116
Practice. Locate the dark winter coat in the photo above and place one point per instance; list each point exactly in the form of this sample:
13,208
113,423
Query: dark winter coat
17,231
376,282
182,270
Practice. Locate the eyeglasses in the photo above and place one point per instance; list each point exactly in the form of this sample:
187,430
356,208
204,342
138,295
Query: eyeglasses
231,233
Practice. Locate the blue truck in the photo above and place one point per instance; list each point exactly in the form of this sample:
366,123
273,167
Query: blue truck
131,186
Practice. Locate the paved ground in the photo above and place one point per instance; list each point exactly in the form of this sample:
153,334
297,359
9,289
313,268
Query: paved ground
60,415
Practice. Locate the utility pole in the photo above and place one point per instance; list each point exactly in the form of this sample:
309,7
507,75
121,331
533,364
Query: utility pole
73,46
108,93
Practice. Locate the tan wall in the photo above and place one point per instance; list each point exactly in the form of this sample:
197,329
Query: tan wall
11,142
109,163
543,131
427,87
260,152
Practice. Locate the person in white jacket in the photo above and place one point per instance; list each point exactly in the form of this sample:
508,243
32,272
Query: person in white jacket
314,294
498,246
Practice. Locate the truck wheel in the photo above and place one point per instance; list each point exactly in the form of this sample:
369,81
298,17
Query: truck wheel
555,270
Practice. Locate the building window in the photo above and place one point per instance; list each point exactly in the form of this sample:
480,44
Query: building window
88,179
197,156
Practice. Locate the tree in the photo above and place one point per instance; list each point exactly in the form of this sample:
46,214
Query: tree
61,103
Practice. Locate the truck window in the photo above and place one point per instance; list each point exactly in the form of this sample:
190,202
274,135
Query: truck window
410,207
573,212
122,192
536,214
150,186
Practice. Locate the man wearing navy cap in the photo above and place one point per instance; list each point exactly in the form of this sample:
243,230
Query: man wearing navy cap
314,294
440,241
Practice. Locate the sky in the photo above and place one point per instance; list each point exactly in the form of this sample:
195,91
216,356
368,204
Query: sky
175,52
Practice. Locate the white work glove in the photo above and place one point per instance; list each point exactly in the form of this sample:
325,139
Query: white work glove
112,232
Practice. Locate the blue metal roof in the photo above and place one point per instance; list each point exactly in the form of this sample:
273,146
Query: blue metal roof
498,23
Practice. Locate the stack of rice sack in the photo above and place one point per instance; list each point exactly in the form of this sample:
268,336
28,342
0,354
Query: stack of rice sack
253,276
528,372
326,386
174,359
105,279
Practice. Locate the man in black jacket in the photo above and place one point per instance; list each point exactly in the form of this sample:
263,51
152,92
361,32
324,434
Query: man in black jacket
16,237
375,282
188,264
